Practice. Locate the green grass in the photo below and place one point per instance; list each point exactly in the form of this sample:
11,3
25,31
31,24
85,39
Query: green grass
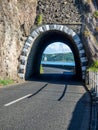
94,67
4,82
41,69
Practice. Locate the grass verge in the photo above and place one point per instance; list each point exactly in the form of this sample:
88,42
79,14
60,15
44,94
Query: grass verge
4,82
41,69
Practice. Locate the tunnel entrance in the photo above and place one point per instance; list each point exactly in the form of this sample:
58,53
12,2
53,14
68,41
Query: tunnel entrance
57,62
42,42
39,39
57,58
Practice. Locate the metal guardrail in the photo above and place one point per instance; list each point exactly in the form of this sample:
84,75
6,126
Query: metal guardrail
92,82
92,85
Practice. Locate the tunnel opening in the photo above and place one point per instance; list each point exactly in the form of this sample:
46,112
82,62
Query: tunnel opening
38,47
57,59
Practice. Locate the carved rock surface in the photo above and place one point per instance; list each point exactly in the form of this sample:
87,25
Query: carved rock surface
16,19
91,24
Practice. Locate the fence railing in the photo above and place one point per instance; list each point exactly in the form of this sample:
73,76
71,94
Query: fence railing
92,82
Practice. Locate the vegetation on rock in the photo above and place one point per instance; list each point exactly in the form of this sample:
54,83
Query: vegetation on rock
86,33
95,14
94,66
96,29
39,19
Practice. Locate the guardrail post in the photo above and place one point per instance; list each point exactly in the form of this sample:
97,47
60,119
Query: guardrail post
96,84
92,82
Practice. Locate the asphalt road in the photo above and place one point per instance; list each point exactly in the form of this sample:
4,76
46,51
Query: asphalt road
44,106
54,70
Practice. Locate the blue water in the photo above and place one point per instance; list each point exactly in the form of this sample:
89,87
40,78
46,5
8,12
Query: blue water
58,63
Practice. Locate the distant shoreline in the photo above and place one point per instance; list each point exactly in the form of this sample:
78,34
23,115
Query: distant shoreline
58,63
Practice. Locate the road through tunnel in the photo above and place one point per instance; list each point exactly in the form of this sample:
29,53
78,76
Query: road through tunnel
39,39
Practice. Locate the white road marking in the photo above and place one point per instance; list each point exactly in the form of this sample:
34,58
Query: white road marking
17,100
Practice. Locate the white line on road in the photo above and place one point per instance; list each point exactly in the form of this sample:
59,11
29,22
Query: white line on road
17,100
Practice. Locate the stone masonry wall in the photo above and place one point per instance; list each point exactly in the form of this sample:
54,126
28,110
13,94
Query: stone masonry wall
60,12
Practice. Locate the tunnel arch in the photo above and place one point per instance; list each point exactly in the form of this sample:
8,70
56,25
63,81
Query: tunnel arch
41,37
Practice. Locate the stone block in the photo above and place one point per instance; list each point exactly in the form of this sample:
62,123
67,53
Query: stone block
23,57
80,46
61,27
25,50
34,34
40,29
21,71
85,63
65,29
84,68
82,54
83,59
29,40
44,28
47,27
55,26
76,39
22,66
82,51
58,27
21,75
27,44
24,53
22,62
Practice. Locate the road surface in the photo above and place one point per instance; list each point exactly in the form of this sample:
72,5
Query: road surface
44,106
54,70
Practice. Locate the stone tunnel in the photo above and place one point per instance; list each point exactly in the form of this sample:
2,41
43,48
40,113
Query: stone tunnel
69,20
40,38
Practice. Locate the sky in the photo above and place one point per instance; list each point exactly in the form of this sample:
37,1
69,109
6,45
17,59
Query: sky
57,47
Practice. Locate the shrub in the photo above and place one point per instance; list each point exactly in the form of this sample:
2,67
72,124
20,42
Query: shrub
86,33
96,29
95,14
94,66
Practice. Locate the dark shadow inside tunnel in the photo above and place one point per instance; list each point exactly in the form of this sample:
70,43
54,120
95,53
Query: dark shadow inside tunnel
36,52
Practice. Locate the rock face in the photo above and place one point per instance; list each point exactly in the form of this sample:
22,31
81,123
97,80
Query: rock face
16,19
90,32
